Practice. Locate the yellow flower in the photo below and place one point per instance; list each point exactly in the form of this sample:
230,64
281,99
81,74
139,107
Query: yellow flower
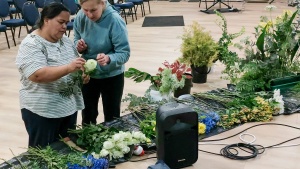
201,128
288,12
262,24
267,24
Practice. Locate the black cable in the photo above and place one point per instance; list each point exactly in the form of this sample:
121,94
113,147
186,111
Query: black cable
277,124
230,151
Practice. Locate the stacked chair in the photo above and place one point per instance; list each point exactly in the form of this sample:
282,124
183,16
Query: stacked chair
11,23
3,29
30,14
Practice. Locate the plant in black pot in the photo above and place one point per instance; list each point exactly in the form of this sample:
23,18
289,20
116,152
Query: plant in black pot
199,50
169,79
180,70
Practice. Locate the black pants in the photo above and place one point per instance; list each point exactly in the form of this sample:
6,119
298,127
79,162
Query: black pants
43,131
111,91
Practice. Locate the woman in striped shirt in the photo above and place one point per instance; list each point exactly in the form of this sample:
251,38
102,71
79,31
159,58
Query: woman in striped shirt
46,61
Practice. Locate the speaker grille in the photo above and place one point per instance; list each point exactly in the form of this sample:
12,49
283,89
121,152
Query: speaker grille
181,149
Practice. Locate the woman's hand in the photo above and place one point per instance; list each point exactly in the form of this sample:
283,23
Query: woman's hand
103,59
76,64
86,78
81,46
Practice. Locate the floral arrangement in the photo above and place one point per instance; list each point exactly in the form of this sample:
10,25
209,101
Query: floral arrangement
274,53
119,144
168,79
76,83
252,108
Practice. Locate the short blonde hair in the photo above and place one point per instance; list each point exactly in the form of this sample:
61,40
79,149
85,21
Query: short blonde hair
83,1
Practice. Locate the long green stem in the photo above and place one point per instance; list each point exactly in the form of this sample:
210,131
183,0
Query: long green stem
21,164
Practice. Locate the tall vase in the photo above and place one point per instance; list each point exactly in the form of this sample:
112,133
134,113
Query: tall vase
199,74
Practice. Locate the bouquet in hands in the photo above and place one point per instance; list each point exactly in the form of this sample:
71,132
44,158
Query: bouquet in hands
78,77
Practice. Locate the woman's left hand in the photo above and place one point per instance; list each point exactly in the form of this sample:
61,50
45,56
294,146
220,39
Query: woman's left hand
86,78
102,59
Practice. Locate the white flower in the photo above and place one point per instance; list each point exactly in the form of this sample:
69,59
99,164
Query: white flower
127,135
97,155
108,145
139,136
118,137
119,143
270,8
117,154
125,149
90,65
103,153
278,99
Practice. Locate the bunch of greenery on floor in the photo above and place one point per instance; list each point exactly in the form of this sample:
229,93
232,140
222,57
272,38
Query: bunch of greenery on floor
274,53
241,108
37,158
91,137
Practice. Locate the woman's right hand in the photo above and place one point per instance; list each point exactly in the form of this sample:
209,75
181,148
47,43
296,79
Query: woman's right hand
81,46
76,64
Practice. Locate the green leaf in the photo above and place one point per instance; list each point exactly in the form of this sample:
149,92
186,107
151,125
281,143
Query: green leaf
261,41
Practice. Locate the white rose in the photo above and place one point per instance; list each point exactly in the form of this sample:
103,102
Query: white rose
125,149
127,135
117,137
117,154
138,135
108,145
103,153
90,65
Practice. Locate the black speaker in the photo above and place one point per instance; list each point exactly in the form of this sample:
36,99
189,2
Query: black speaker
177,135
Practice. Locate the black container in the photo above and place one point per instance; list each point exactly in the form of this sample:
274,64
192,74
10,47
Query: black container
186,88
200,74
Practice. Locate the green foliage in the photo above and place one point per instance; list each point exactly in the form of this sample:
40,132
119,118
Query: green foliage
139,76
169,82
274,53
225,55
91,137
52,159
74,86
198,47
147,126
168,79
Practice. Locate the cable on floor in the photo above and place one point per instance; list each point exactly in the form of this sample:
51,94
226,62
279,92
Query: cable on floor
232,150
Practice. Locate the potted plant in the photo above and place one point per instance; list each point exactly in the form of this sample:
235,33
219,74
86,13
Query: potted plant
181,71
274,54
199,50
166,81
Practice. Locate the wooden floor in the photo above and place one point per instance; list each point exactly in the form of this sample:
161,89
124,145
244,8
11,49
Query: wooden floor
150,47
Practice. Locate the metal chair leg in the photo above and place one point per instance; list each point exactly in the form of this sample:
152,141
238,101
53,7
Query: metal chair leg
19,31
149,6
7,40
13,35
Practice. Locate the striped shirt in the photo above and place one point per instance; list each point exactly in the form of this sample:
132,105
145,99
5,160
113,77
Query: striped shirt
43,98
